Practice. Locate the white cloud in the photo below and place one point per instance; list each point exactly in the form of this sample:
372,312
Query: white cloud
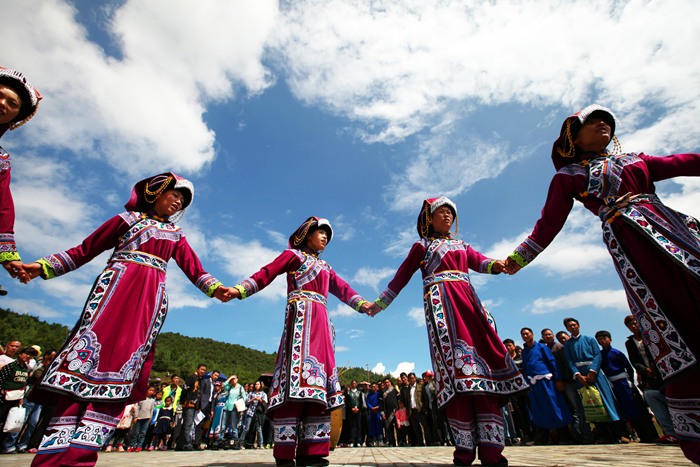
242,259
30,307
403,367
355,333
615,299
379,368
401,242
342,310
372,277
340,348
343,230
144,111
400,68
578,247
417,315
278,237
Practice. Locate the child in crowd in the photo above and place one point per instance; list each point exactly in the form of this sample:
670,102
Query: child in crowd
156,413
305,386
163,425
463,337
122,429
619,371
144,413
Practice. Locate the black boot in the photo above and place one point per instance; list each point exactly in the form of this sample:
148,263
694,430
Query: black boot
311,461
285,462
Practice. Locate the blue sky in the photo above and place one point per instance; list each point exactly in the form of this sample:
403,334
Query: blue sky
350,110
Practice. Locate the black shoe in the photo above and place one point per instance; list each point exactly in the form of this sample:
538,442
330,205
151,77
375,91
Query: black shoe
458,462
188,448
287,462
502,463
311,461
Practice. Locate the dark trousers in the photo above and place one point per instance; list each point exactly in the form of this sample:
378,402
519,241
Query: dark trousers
4,411
185,438
427,423
44,420
355,421
390,427
415,432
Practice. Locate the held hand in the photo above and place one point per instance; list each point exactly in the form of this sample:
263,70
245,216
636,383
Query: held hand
560,386
373,310
31,271
499,267
511,266
590,378
582,380
650,373
15,269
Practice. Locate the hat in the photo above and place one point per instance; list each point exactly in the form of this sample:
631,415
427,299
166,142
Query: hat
426,214
296,241
564,151
38,350
147,191
429,373
30,96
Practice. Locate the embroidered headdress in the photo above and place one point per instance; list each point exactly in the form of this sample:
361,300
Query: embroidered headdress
425,217
564,151
146,192
30,97
296,241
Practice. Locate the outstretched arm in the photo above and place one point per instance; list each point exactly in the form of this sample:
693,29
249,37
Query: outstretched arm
402,277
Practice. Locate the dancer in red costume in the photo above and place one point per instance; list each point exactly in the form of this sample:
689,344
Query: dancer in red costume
18,103
105,364
656,250
472,367
305,386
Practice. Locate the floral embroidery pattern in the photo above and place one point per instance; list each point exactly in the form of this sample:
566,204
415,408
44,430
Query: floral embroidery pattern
285,431
670,352
686,418
316,430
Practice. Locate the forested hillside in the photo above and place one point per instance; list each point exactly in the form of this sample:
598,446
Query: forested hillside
175,353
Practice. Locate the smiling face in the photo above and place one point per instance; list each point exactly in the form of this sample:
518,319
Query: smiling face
442,220
317,240
10,104
169,203
548,336
594,135
527,336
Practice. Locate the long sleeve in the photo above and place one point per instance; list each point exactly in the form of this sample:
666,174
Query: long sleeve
550,361
104,238
675,165
570,358
595,351
344,292
479,262
8,248
560,201
526,362
403,276
287,261
187,260
635,357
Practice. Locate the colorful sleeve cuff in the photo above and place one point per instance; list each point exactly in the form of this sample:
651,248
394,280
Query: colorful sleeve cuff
9,256
213,287
359,304
385,298
526,252
489,268
47,271
522,262
242,290
247,288
8,248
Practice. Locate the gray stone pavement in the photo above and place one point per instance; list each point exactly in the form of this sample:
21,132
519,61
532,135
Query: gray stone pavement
541,456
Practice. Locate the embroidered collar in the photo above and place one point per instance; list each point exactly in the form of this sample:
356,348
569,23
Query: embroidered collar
154,215
309,251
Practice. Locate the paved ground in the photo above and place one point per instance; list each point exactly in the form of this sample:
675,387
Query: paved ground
541,456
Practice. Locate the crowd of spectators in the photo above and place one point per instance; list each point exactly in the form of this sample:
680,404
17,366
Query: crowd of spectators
211,410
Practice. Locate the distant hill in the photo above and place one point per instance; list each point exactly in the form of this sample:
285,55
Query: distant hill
175,353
